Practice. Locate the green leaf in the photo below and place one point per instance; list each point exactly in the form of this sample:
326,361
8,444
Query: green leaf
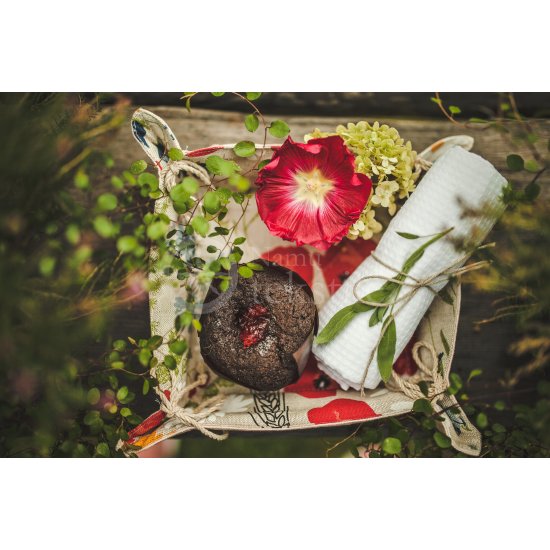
478,120
126,244
138,167
125,411
279,129
263,163
336,324
499,405
454,110
157,230
245,272
104,227
253,96
239,240
144,356
417,254
102,449
474,373
423,406
532,191
81,180
170,362
444,342
117,365
211,202
514,162
186,318
146,178
391,445
217,94
93,396
175,154
107,201
122,393
225,194
119,345
532,166
251,122
179,193
442,441
200,225
211,248
221,167
145,387
445,295
226,263
224,285
91,417
254,266
436,100
386,350
456,383
240,183
407,235
424,387
46,265
179,347
197,324
117,183
244,149
154,342
72,234
482,421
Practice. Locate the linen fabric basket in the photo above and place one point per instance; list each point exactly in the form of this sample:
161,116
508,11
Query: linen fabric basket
314,400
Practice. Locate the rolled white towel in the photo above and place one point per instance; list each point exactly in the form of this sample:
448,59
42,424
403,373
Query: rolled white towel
457,183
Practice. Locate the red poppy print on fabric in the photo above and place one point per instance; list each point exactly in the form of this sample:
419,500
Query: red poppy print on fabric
313,383
405,364
295,258
340,261
341,410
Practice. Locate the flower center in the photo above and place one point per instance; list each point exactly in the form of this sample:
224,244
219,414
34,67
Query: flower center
312,186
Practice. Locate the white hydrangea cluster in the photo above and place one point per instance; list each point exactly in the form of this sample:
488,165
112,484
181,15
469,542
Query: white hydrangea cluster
387,159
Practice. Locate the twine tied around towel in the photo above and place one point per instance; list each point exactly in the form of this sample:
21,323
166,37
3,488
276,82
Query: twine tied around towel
404,279
190,417
431,372
169,177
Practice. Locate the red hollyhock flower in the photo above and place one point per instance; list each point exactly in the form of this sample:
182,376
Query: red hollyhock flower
309,192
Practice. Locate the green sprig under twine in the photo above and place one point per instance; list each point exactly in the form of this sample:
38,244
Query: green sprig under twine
384,301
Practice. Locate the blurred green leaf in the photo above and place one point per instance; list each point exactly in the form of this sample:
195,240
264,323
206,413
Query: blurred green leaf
244,149
107,201
279,129
514,162
175,154
442,440
126,244
391,445
251,122
253,96
138,167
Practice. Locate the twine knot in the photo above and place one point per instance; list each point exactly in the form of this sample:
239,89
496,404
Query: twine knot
170,176
430,373
192,417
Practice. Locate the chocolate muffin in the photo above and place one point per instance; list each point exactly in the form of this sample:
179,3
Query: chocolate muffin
259,334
